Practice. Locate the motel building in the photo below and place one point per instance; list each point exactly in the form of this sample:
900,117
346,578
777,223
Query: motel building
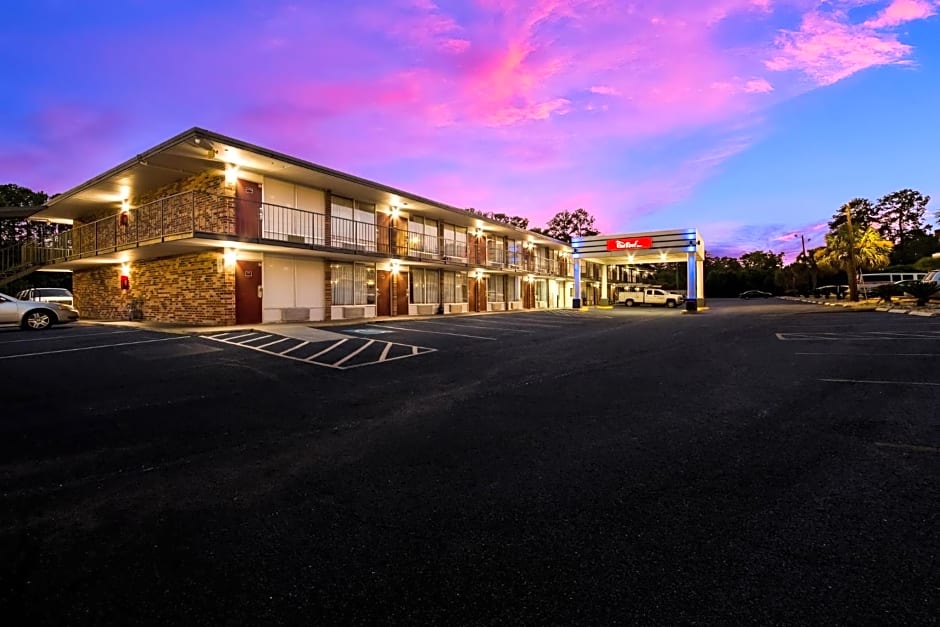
207,229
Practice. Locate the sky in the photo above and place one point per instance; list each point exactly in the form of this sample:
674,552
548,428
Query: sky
751,120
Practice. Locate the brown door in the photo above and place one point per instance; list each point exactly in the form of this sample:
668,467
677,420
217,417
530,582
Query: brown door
247,292
248,209
401,294
383,230
383,293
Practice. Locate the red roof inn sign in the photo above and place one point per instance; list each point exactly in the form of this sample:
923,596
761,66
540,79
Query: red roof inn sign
630,243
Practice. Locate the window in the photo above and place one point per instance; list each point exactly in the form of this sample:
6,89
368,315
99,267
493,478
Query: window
514,257
422,237
496,251
494,289
353,283
352,223
425,286
513,288
455,241
455,287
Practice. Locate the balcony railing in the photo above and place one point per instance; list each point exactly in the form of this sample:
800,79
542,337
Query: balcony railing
194,213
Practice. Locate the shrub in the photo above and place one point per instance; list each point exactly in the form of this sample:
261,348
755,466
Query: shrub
922,291
885,292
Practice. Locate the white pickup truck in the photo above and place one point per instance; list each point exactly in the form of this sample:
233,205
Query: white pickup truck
649,296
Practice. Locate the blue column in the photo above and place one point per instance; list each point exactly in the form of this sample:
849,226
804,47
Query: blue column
576,303
692,270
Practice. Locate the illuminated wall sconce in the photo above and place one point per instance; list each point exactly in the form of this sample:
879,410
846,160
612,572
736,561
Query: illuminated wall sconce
231,174
396,266
530,278
230,256
478,232
478,274
395,213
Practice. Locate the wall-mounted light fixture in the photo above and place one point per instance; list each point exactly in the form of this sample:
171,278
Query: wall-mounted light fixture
230,256
396,266
478,274
395,213
231,174
530,278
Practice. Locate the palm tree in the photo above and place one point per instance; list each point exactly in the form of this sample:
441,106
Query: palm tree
871,250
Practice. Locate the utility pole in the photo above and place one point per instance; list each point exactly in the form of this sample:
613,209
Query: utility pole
853,279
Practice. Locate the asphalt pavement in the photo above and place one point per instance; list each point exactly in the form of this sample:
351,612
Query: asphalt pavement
761,462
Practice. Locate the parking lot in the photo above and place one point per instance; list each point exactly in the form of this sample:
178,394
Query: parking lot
765,461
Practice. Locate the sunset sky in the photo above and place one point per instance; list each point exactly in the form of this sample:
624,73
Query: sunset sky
752,120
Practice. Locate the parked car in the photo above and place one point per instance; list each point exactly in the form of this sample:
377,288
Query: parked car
754,294
839,291
33,315
47,295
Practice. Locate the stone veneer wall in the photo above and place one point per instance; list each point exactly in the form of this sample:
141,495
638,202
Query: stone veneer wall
191,289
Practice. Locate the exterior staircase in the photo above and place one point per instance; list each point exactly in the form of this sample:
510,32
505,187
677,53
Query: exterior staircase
17,261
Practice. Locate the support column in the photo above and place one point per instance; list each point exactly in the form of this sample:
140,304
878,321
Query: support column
700,276
692,283
604,296
576,303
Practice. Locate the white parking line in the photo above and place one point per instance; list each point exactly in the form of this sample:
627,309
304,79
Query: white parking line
274,342
255,339
70,337
354,353
91,348
874,354
474,326
293,348
237,337
475,337
878,382
385,351
325,350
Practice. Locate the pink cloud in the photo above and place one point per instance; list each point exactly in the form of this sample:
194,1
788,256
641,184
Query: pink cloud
901,11
828,47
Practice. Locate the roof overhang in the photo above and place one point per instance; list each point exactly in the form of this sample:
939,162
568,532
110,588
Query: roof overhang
640,248
197,151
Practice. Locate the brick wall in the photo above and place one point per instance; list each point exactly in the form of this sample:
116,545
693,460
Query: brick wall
188,289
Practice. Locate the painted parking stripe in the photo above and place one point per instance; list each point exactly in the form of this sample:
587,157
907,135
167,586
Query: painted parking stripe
873,354
381,351
526,322
473,326
256,339
879,382
291,350
474,337
354,353
71,337
277,341
237,337
326,350
91,348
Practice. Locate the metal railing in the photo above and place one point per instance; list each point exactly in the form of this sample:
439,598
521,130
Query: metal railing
188,214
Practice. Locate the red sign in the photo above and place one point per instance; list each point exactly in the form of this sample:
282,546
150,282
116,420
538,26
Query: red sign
631,243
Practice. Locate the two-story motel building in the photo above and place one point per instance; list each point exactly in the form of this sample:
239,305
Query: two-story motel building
207,229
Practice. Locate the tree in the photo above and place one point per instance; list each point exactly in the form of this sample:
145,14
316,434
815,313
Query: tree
568,224
863,214
517,221
871,250
901,216
16,229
